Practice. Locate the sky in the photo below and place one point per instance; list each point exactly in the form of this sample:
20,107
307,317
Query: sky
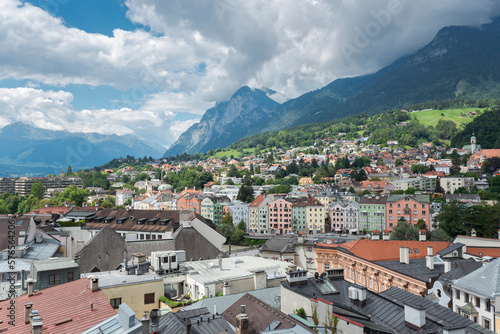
153,67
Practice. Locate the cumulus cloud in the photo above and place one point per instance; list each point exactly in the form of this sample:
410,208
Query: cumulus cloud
199,52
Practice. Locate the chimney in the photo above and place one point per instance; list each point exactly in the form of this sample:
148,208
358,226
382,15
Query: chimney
473,233
36,326
429,261
187,323
415,316
404,255
30,287
226,289
422,235
242,322
94,283
386,235
220,261
67,203
300,238
376,235
429,251
27,312
145,323
155,320
447,266
77,258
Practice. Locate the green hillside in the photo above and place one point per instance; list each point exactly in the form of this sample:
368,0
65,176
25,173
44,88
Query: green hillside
459,116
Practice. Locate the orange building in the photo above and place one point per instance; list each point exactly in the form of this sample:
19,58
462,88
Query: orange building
372,263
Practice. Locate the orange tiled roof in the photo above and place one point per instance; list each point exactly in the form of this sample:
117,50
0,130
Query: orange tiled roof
485,251
388,250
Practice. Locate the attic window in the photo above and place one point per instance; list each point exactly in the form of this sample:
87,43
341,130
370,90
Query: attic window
409,250
152,221
108,219
141,221
20,222
98,219
164,222
121,220
416,250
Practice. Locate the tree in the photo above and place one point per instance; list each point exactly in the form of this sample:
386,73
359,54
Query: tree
229,182
410,191
404,231
399,162
242,225
440,235
227,219
246,193
236,237
37,190
69,171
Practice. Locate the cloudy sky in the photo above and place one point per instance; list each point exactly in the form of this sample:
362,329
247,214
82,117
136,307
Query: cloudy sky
153,67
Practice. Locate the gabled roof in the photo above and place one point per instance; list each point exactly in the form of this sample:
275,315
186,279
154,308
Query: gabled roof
64,308
484,281
260,314
450,248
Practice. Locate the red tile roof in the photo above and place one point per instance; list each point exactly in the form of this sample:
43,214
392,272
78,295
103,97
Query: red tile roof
70,302
50,210
485,251
387,250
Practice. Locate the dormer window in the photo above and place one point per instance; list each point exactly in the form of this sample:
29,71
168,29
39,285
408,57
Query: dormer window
141,221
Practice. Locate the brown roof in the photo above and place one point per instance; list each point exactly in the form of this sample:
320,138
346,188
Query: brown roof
387,250
65,308
260,314
50,210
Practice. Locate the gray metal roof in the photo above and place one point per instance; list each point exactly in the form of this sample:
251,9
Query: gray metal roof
451,248
202,322
124,322
116,278
54,263
483,281
219,304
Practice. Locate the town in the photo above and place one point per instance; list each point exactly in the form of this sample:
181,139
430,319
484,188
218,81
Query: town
308,241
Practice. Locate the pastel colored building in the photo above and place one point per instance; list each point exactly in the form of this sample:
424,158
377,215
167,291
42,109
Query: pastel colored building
410,207
280,216
371,214
343,216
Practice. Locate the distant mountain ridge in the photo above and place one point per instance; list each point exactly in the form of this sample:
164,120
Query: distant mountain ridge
459,62
27,150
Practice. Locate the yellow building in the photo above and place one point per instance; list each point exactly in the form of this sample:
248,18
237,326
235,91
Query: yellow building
140,292
315,216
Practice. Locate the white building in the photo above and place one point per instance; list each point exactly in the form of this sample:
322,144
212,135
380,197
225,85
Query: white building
239,212
122,195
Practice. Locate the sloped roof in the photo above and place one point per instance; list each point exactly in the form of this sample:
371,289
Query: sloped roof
460,269
386,250
483,281
69,302
260,314
202,321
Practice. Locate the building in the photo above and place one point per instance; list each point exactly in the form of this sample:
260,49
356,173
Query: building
299,215
191,321
280,216
295,250
54,271
381,264
344,217
239,212
124,322
351,308
371,213
59,311
23,184
419,183
475,296
451,183
232,275
253,213
315,216
122,195
7,185
211,208
134,286
411,208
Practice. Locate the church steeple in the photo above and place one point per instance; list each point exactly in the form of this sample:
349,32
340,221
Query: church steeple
473,141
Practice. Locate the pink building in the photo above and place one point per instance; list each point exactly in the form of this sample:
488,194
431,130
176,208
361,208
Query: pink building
280,216
411,207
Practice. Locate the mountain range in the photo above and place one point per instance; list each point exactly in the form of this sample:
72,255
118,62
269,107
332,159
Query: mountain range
30,151
460,61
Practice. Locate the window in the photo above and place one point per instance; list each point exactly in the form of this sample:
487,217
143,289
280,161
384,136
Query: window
54,279
488,305
466,297
149,298
457,294
486,323
70,277
327,266
478,301
115,302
